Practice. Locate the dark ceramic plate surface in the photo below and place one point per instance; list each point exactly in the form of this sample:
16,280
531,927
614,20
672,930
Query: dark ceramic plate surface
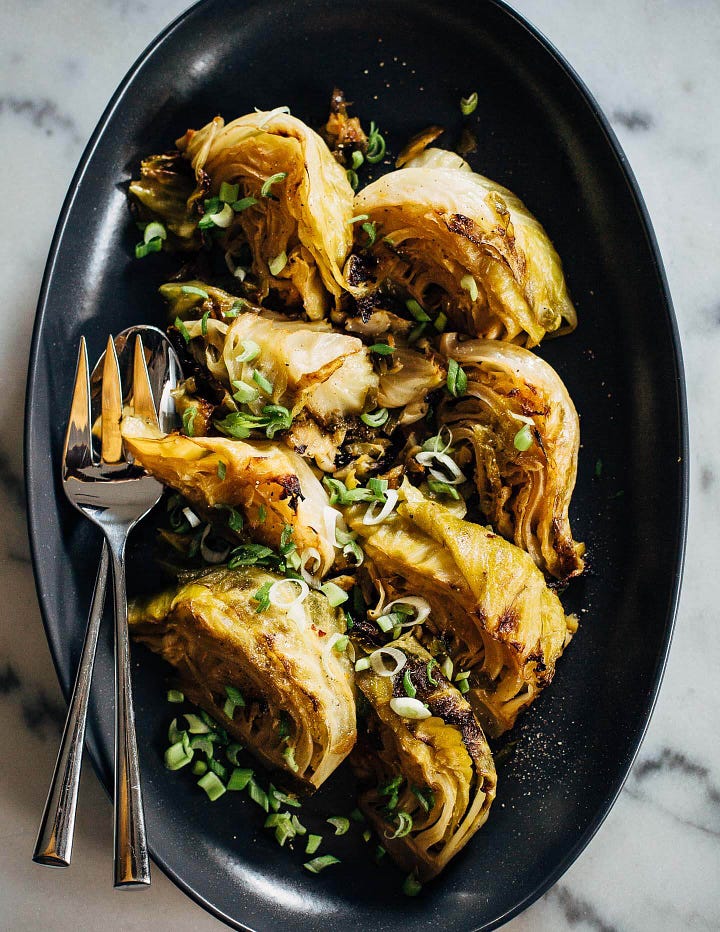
406,65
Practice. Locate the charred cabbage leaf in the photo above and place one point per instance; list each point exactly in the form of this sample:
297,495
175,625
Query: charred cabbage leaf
489,601
438,771
164,192
298,227
463,245
271,486
299,711
515,398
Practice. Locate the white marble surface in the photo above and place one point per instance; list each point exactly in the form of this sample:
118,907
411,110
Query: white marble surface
654,65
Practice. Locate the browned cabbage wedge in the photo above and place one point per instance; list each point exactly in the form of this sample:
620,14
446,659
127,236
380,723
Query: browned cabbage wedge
407,382
525,494
488,599
448,775
163,192
299,712
270,485
305,220
444,232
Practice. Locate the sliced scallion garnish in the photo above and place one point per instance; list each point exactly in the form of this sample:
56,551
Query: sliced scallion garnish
375,418
213,785
319,864
269,182
313,843
262,597
183,329
258,794
277,264
243,204
416,310
228,192
188,419
239,778
335,595
523,439
194,290
340,823
174,695
411,885
382,349
221,470
456,379
468,104
376,145
262,383
177,756
370,229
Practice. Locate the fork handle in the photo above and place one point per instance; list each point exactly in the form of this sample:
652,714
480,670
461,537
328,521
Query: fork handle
53,847
132,862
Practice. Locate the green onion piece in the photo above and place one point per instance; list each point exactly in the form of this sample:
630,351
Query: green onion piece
352,549
243,204
382,349
352,178
262,383
192,289
446,668
428,672
367,835
319,864
468,283
188,419
221,470
379,854
250,351
456,379
441,322
220,770
442,488
212,785
376,418
244,393
174,695
232,751
235,696
196,726
262,514
371,230
273,179
376,145
199,768
416,332
202,743
235,309
313,843
340,824
362,664
174,733
468,104
357,159
463,686
258,794
239,779
153,231
235,519
177,756
277,797
279,418
386,623
411,885
357,816
183,329
358,218
228,192
297,825
144,249
523,439
289,755
598,468
416,310
203,323
404,825
286,543
390,786
262,597
335,595
277,264
340,646
408,685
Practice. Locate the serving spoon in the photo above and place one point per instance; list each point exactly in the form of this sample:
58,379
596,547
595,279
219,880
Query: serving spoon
53,847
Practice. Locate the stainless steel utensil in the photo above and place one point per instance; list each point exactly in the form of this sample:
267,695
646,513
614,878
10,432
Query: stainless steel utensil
155,371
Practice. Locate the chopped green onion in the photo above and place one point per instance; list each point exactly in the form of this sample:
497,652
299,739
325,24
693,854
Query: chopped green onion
598,468
339,823
228,192
376,418
286,542
212,785
262,597
153,231
221,470
417,331
196,726
382,349
203,323
441,322
289,755
404,825
416,310
262,383
258,794
468,283
335,595
456,379
202,743
235,696
446,668
235,519
379,854
313,843
357,816
277,797
250,351
235,309
376,145
177,756
426,797
352,549
192,289
357,159
244,393
386,623
262,514
232,751
523,439
144,249
370,229
411,885
199,768
319,864
463,686
367,835
188,419
279,418
442,488
174,733
468,104
428,672
362,664
277,264
340,646
408,685
174,695
273,179
239,778
220,770
183,329
243,204
352,178
358,218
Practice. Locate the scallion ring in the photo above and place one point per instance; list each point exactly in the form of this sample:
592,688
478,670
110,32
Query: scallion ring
453,475
406,707
311,557
371,517
284,593
209,554
377,661
375,418
277,264
269,182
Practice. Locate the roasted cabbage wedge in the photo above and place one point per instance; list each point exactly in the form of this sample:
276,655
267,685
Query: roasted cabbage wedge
438,771
270,485
164,192
299,711
489,601
298,227
524,493
465,246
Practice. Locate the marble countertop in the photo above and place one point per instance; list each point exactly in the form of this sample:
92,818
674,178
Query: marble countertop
655,69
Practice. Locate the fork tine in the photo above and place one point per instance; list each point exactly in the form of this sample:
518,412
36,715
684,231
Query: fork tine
143,401
111,406
77,451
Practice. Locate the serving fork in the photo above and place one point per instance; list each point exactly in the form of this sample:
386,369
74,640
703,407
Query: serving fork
115,494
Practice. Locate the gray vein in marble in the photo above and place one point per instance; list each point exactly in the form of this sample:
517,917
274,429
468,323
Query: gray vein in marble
633,119
670,761
39,710
577,910
42,113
